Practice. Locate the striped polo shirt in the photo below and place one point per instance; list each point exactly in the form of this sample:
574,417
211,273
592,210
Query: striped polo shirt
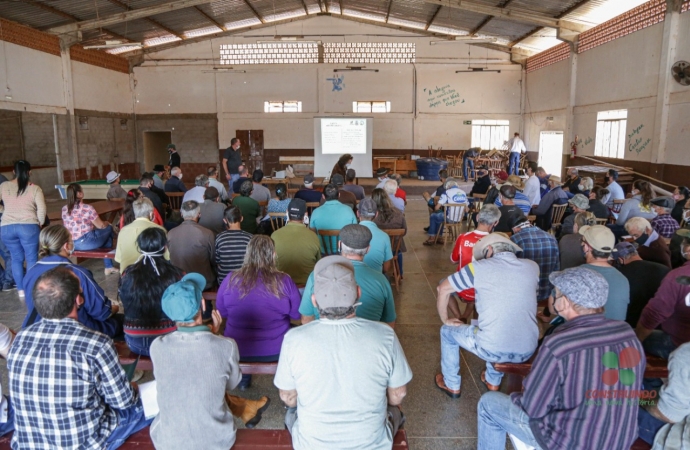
231,245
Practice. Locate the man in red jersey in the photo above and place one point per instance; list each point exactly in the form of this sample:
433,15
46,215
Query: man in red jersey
487,218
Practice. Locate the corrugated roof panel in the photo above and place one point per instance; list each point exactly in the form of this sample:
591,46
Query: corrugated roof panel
374,7
271,7
182,20
228,11
286,15
30,15
458,19
414,10
507,29
369,16
596,12
138,30
85,9
549,7
446,30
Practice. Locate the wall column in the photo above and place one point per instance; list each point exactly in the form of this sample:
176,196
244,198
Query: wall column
569,135
68,93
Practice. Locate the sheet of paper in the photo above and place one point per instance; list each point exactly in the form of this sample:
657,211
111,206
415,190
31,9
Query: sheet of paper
149,399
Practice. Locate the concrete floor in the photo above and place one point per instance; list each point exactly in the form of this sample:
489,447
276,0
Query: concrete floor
434,421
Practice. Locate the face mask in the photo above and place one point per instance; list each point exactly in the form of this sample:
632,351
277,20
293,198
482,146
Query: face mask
179,176
347,166
677,197
642,239
634,192
580,187
686,216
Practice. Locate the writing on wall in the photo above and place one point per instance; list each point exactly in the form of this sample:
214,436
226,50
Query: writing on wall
637,143
443,96
338,83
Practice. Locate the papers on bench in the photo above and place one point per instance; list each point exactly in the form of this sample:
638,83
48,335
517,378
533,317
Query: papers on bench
149,399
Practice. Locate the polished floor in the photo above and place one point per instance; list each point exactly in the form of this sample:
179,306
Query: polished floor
434,421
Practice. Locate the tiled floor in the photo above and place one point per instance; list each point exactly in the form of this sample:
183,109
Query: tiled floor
434,421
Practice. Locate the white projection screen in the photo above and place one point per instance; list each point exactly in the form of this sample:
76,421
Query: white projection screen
335,136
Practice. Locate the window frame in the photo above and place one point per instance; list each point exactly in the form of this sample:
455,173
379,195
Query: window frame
359,106
610,135
271,106
498,133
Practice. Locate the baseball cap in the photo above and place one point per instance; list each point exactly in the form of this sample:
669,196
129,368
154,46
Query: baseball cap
337,179
493,238
502,175
623,249
599,237
172,146
181,301
112,176
381,171
579,201
158,168
367,207
583,286
309,179
297,207
334,282
355,236
664,202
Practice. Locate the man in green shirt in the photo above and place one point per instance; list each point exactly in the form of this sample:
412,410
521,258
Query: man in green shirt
377,296
248,206
297,247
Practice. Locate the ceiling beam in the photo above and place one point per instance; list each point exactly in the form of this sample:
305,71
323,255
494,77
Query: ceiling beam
148,19
428,24
210,19
483,23
413,30
512,14
304,5
561,15
388,11
130,14
256,13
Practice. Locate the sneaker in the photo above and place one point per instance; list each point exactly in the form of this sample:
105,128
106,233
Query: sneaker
9,286
21,294
110,270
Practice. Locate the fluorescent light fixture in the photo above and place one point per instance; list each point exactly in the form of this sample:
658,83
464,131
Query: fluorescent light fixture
223,70
113,44
288,40
355,69
476,70
466,40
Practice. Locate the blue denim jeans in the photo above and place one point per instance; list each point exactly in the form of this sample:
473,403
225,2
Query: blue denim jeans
233,177
9,424
465,336
659,344
647,426
498,415
97,238
435,222
129,421
22,242
139,344
467,164
514,166
6,272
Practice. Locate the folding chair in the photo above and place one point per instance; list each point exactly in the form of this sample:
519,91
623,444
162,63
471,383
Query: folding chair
277,220
396,236
329,241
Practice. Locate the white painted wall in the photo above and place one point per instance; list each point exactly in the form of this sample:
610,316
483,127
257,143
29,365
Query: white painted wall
34,77
98,89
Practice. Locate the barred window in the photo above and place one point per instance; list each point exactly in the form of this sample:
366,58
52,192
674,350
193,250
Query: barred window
489,134
371,107
610,140
368,52
278,53
283,107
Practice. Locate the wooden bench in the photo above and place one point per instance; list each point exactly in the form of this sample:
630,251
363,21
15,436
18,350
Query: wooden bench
515,373
246,440
127,357
98,253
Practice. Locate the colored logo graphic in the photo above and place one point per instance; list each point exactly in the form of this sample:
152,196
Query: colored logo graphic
620,367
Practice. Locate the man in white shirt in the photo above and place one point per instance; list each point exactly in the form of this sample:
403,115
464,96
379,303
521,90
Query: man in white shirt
615,189
197,192
212,174
532,184
382,175
454,214
341,377
516,147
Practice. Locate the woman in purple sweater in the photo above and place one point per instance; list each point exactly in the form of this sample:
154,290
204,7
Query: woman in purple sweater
258,302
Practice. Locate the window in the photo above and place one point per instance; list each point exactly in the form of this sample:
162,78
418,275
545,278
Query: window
368,52
278,53
287,106
489,134
610,140
371,107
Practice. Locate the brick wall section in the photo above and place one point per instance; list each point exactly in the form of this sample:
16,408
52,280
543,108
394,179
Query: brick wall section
10,138
104,145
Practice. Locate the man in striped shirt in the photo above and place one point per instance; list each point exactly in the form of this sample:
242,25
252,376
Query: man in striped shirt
231,244
584,388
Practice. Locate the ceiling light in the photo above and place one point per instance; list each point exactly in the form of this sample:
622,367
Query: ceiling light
466,40
355,69
113,44
476,69
223,70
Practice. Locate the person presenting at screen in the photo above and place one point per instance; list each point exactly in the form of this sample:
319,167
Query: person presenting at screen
342,165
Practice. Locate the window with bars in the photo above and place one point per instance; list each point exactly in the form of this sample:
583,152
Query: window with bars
371,107
278,53
368,52
490,134
610,138
283,107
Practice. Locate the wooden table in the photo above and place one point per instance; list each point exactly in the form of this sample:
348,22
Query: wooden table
107,210
397,165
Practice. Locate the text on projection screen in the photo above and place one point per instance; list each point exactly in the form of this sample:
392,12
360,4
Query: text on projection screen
340,136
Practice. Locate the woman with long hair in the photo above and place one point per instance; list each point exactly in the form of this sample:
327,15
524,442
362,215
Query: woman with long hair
23,214
98,311
389,217
141,290
639,205
680,195
258,302
128,212
88,230
342,165
596,206
281,202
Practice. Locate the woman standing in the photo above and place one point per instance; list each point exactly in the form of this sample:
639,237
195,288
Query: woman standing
88,230
97,311
24,213
389,217
258,302
342,165
141,290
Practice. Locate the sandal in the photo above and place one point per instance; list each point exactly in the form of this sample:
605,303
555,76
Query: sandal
428,242
441,241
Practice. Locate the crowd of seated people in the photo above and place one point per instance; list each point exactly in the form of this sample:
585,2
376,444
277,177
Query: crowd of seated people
616,289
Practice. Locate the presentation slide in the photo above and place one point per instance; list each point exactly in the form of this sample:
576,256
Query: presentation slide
335,136
339,136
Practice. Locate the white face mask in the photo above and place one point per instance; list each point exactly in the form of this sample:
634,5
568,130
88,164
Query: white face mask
347,166
580,187
686,216
179,176
634,192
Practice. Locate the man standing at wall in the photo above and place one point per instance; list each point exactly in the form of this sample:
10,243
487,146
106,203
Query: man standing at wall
174,160
516,147
232,159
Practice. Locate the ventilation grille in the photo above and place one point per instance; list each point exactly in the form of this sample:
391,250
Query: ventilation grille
548,57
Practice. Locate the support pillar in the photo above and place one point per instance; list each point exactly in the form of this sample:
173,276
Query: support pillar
68,94
569,135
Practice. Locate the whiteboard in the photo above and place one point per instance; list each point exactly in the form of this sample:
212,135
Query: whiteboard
335,136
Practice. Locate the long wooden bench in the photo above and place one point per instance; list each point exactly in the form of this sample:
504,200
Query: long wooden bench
246,440
515,373
98,253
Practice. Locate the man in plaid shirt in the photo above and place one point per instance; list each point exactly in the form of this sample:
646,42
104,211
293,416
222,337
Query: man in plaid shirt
664,223
539,246
67,386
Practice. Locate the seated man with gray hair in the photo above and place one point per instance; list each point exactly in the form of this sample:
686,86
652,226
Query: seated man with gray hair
650,246
391,187
565,401
197,192
127,252
376,297
174,183
453,194
341,377
193,247
496,338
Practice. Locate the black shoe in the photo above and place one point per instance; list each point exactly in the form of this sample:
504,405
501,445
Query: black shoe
9,286
426,228
254,421
246,383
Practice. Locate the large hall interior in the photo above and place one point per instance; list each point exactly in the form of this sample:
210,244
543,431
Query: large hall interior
466,103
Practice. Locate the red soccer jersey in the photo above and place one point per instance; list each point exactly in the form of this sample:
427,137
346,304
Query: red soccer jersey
462,254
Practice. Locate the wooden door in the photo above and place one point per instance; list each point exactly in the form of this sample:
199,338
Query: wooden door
252,148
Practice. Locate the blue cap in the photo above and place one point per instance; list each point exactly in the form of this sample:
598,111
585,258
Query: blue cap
182,300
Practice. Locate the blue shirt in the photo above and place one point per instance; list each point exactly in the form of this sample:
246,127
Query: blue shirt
380,249
96,311
539,246
332,215
377,296
520,200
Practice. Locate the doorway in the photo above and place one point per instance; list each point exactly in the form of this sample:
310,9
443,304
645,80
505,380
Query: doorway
551,151
156,148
